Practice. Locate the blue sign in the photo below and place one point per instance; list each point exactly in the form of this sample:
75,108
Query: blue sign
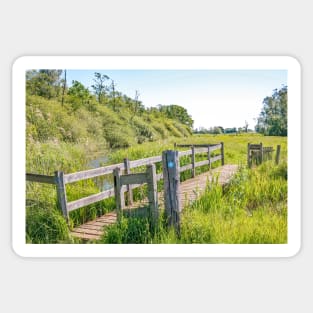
170,164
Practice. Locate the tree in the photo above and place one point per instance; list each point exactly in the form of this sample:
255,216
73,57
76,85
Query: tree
272,120
79,94
45,83
178,113
99,87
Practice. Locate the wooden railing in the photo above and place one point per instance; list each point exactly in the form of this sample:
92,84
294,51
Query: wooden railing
127,181
257,154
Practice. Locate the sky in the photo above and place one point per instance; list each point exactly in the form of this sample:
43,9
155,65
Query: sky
226,98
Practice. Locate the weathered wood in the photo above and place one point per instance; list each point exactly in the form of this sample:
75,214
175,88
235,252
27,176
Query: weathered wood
146,161
40,178
255,146
138,178
222,153
129,187
277,156
73,205
152,193
215,147
216,158
159,176
184,153
119,193
70,178
209,157
185,167
249,156
198,145
193,162
261,153
171,187
268,149
200,150
201,163
61,193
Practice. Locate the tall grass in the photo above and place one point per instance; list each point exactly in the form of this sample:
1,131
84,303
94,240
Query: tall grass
250,187
251,209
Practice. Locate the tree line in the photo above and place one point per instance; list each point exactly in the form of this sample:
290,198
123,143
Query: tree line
52,84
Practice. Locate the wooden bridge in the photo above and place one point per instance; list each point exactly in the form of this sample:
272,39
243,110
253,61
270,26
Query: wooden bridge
190,190
176,193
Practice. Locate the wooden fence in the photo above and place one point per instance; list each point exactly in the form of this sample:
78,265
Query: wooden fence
257,154
127,181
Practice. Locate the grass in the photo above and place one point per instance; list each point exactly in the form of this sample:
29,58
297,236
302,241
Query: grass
252,209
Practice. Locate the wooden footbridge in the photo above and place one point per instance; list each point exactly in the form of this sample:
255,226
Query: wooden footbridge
170,167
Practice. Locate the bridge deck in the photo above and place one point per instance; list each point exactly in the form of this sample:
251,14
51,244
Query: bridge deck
190,190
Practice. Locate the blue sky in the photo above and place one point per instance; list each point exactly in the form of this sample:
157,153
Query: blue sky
225,98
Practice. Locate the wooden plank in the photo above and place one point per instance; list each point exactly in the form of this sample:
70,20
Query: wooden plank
193,162
255,146
197,145
185,167
146,161
61,193
129,187
201,163
85,236
40,178
74,205
159,176
152,193
222,153
215,147
100,171
201,150
184,153
138,178
216,158
268,149
88,231
119,193
277,156
171,187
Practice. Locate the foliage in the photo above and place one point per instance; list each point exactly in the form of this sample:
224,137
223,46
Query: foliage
273,117
44,225
99,86
178,113
46,83
252,209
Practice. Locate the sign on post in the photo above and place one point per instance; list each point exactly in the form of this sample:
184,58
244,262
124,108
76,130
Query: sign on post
171,178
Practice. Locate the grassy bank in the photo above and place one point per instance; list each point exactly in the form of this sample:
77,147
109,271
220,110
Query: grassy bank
247,211
251,209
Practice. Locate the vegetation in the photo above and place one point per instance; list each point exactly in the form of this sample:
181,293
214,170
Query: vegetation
67,127
273,117
251,209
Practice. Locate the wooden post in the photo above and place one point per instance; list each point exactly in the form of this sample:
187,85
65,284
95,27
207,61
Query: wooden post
175,145
249,157
277,157
222,153
209,156
152,193
261,153
129,187
61,193
119,194
193,161
171,178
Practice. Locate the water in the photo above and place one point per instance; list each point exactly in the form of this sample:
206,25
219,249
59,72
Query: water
103,182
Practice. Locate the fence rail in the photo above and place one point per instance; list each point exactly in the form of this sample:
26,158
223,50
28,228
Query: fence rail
127,181
257,154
